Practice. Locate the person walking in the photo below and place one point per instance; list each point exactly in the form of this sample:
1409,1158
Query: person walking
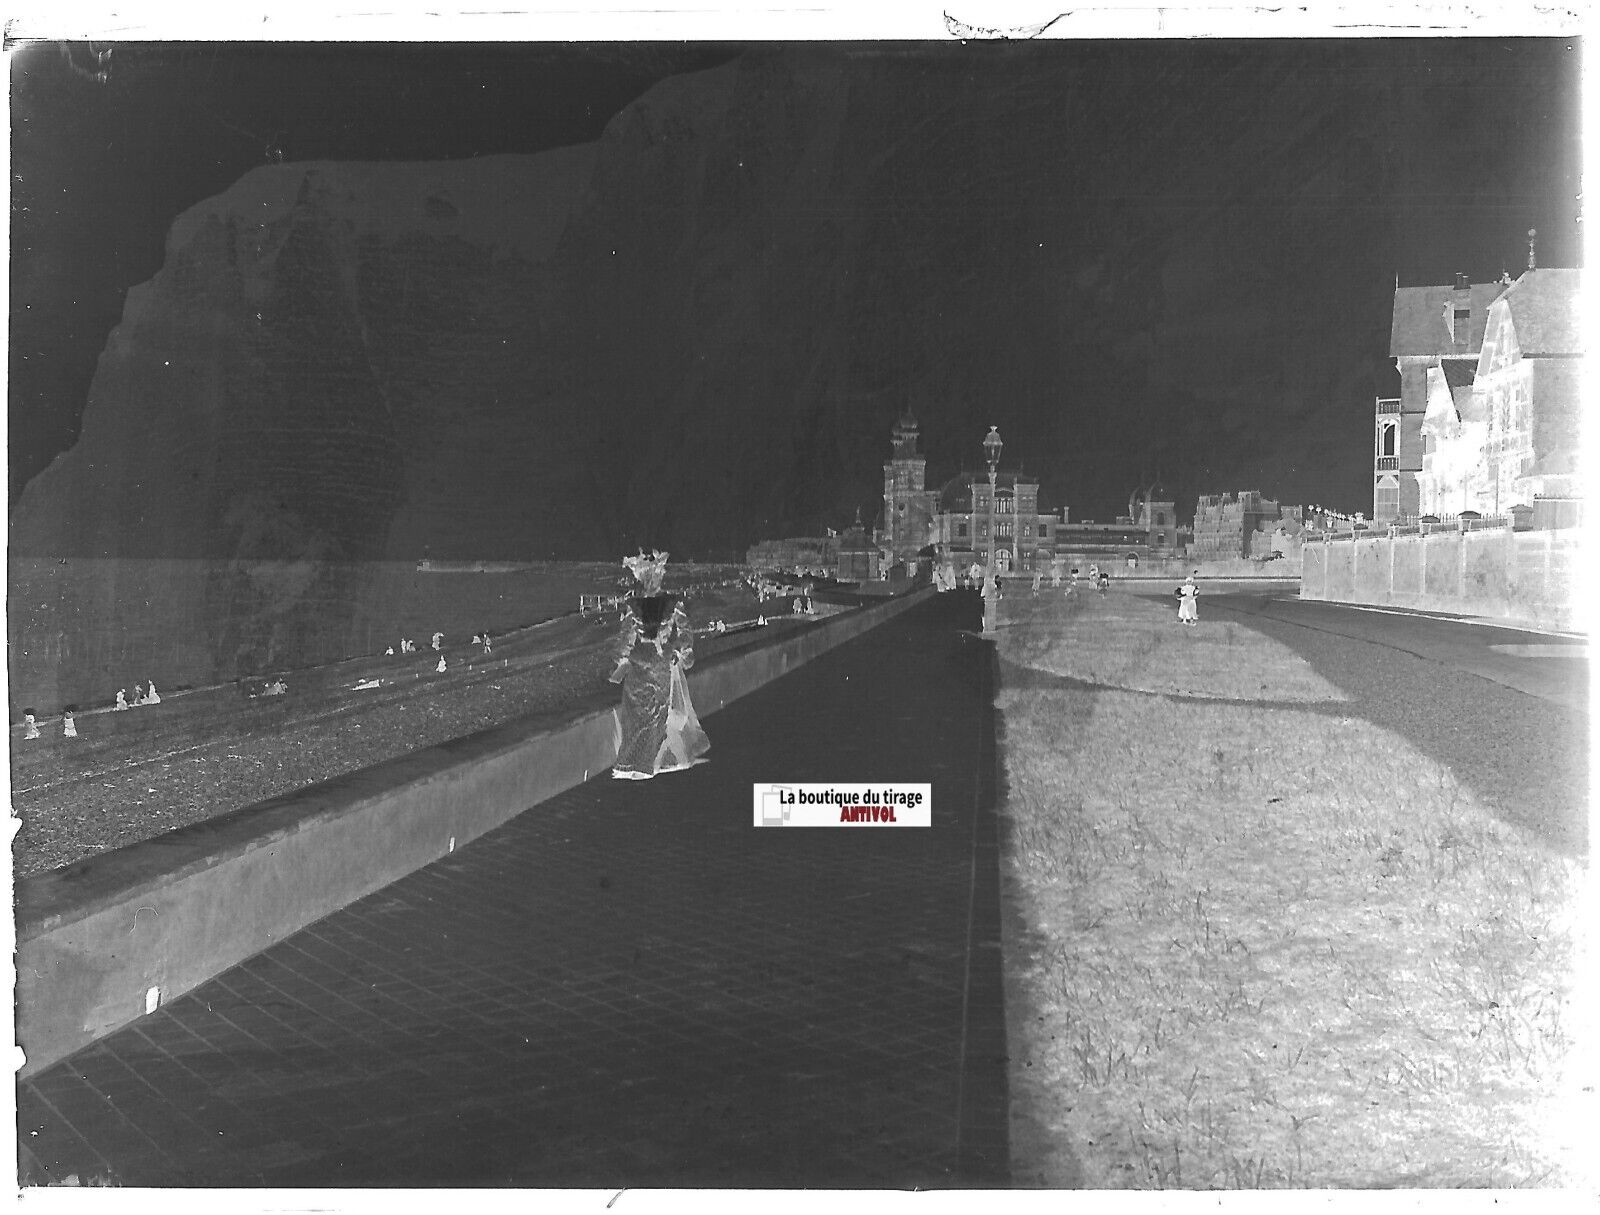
656,729
1188,608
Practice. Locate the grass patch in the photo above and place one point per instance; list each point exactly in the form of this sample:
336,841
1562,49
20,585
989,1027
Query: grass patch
1270,947
1120,641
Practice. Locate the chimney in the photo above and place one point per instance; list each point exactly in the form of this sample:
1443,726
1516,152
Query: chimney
1462,283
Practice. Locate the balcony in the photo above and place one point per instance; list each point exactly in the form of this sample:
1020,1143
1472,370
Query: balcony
1389,406
1388,463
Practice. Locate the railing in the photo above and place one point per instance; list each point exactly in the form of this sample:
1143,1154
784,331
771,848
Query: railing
1389,406
1388,463
1413,525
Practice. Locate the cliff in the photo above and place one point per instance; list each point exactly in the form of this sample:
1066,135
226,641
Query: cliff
698,331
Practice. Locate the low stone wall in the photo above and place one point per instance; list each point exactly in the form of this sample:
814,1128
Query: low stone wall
1518,576
102,942
1177,568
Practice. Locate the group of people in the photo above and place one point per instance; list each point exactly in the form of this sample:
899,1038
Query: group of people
1098,578
143,694
407,646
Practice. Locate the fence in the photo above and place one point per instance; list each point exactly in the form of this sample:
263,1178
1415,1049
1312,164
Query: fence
1418,525
1525,576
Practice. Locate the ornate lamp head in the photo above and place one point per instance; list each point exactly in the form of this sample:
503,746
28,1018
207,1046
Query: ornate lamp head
992,444
648,569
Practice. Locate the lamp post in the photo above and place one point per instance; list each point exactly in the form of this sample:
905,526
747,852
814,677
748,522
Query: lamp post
992,444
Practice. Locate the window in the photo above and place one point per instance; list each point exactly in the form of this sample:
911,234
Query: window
1161,518
1044,531
1387,435
961,530
1002,526
1386,497
983,530
1462,330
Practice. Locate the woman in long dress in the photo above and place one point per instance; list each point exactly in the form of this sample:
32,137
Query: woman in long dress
1188,608
656,727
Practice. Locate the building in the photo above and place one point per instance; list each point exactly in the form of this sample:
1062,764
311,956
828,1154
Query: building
967,513
958,521
1158,520
796,553
1488,413
1525,396
1238,525
858,556
1435,336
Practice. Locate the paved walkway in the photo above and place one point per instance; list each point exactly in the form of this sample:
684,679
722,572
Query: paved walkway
628,985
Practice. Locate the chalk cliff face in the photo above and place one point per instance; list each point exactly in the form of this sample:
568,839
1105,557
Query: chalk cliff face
698,331
324,345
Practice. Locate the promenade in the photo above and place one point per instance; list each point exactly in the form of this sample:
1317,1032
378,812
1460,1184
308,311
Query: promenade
626,985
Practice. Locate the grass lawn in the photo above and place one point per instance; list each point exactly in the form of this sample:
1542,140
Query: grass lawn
1264,942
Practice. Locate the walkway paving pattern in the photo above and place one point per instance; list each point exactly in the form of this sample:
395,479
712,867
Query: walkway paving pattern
629,985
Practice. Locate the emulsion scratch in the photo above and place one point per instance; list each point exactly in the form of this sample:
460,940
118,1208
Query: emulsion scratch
960,29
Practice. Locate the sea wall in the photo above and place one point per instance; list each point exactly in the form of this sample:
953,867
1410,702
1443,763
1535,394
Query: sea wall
102,942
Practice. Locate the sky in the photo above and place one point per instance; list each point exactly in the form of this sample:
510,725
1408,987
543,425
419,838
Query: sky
102,167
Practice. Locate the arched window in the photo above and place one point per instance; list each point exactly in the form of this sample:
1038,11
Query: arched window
1387,435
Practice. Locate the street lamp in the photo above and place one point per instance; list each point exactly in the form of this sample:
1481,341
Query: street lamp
992,444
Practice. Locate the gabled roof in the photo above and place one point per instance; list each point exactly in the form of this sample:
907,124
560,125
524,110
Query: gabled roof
1544,310
1459,373
1423,315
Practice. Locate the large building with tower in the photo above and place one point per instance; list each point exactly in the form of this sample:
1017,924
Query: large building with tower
966,518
